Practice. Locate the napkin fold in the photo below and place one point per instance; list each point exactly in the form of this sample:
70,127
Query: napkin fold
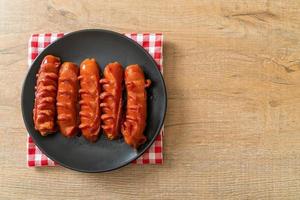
152,42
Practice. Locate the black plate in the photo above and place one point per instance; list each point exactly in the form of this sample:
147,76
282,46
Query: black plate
104,155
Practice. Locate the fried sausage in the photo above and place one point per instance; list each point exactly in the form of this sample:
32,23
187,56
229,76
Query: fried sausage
89,99
136,112
67,97
44,111
111,100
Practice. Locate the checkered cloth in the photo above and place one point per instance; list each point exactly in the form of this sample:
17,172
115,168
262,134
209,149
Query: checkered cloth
152,42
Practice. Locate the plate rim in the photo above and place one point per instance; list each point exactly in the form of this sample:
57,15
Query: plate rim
160,77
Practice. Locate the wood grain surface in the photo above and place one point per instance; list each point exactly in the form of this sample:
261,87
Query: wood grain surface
232,70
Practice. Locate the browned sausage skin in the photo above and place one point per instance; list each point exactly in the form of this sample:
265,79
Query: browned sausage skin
44,111
89,99
111,100
136,111
67,97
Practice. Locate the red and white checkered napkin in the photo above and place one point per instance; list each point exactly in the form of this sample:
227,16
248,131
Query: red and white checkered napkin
152,42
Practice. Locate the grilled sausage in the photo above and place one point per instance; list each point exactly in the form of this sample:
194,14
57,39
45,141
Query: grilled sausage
89,99
44,111
67,97
111,100
136,111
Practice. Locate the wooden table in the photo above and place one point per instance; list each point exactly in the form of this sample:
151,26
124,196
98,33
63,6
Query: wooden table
232,71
